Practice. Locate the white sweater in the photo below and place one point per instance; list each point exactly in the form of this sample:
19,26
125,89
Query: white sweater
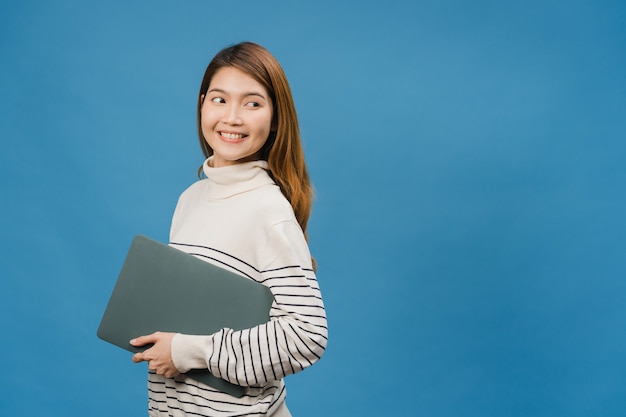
239,219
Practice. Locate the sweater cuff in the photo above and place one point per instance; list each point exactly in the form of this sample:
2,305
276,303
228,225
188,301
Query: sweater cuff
190,352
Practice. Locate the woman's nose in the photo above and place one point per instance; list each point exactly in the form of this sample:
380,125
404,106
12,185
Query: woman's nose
232,115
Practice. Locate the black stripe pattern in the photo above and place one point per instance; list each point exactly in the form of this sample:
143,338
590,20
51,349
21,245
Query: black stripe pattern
257,358
238,219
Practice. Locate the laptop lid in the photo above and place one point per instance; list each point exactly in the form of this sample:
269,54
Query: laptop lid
161,288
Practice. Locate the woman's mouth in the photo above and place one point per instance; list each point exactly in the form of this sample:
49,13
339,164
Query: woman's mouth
232,137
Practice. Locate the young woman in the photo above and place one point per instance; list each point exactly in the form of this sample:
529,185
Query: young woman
249,215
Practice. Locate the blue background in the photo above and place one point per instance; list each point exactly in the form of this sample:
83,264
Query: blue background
469,161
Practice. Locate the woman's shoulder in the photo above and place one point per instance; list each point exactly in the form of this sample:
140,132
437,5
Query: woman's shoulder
273,205
195,188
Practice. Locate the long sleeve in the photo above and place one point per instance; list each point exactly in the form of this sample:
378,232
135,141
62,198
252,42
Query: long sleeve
237,218
293,339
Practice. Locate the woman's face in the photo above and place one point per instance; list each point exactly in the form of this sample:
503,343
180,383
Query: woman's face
236,117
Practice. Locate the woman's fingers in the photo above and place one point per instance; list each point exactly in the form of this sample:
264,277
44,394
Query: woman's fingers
144,340
159,356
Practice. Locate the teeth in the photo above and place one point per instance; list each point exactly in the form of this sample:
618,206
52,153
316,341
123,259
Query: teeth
232,135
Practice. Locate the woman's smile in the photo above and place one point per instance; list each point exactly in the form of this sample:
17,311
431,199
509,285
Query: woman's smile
232,137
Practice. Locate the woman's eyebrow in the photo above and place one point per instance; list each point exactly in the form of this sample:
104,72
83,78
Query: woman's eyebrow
247,94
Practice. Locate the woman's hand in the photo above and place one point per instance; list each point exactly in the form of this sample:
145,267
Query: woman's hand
159,356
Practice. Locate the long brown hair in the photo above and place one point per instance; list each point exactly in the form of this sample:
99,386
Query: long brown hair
283,148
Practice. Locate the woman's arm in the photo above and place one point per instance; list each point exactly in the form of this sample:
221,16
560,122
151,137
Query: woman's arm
293,339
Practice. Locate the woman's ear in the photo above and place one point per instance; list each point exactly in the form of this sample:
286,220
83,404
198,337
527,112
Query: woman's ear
202,99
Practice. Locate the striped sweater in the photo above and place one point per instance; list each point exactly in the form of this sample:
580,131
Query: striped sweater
238,218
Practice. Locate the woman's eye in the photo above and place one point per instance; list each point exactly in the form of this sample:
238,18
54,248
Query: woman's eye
253,104
218,100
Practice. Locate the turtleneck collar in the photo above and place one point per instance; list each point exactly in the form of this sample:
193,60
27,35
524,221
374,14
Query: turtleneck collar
236,179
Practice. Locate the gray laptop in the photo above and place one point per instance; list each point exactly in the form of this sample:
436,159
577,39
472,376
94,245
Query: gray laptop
161,288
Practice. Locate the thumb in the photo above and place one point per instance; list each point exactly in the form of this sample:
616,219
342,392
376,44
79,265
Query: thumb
143,340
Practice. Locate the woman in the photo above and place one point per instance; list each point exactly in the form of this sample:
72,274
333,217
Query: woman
249,215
